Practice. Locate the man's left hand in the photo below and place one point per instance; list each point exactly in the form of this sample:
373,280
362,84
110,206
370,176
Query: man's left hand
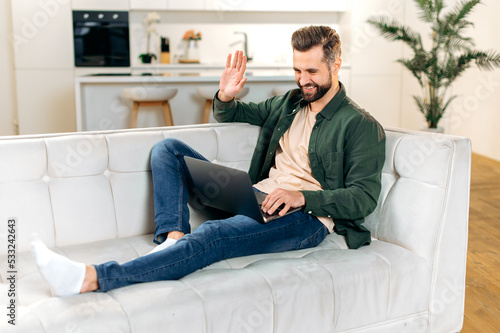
278,197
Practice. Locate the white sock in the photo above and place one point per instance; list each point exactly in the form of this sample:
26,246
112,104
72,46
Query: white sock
168,242
64,276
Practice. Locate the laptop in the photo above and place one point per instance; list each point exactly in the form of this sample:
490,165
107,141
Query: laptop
229,190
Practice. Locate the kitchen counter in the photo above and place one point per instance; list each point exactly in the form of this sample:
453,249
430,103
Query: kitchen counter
205,65
100,104
185,75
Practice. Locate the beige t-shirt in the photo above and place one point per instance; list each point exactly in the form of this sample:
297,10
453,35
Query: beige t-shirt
292,169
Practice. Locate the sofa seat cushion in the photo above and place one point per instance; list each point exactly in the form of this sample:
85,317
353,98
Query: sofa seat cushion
373,284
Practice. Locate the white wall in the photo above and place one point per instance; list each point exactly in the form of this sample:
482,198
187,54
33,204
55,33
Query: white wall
376,78
43,50
8,108
385,89
476,112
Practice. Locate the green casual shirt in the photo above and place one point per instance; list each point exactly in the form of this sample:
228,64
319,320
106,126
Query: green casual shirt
346,152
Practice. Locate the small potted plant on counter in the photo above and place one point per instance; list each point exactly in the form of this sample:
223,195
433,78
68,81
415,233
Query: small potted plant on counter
192,54
450,55
150,20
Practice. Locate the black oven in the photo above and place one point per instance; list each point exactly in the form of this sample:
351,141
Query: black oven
101,38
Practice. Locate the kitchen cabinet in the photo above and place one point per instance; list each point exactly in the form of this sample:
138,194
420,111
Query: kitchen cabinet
167,5
148,5
101,5
329,5
186,5
255,5
276,5
241,5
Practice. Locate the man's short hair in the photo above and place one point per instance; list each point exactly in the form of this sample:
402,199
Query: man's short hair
306,38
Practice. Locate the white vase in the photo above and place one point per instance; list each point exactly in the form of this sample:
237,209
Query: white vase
192,51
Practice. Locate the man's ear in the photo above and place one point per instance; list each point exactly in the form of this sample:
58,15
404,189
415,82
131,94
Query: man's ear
336,66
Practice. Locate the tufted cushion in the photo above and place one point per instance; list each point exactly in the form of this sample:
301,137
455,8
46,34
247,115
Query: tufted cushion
24,160
255,286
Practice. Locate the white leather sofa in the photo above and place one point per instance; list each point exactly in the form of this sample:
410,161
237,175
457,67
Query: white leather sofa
89,196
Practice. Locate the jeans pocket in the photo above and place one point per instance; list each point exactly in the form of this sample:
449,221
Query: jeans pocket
315,239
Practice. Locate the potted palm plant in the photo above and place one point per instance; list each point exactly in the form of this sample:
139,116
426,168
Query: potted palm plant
451,53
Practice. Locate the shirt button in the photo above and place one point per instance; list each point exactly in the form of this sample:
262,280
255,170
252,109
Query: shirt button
309,212
329,216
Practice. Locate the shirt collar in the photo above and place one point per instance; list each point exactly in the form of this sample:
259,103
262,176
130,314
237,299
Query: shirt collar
335,104
332,106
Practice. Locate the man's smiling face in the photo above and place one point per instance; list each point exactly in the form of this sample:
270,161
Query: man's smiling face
312,74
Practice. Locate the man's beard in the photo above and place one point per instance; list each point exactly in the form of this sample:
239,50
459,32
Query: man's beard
320,91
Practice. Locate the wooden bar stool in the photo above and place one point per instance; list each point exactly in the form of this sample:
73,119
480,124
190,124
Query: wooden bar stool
208,93
150,96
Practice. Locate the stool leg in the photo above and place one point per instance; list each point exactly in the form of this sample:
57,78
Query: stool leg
133,118
167,113
206,112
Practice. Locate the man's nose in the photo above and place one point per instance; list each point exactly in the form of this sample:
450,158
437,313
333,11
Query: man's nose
304,79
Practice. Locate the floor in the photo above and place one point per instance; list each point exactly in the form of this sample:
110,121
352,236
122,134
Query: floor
482,297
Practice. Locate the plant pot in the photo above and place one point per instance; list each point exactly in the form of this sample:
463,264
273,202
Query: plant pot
192,51
147,58
439,129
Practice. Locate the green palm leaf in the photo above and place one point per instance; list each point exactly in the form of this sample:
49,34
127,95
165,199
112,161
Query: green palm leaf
484,60
450,55
422,105
429,9
461,10
413,68
394,31
445,106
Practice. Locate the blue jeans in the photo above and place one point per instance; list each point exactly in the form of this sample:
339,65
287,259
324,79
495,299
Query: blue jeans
213,240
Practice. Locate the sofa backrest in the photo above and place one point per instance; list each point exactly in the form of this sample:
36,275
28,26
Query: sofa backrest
418,175
83,187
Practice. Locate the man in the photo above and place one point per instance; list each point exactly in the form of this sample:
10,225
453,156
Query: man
317,150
